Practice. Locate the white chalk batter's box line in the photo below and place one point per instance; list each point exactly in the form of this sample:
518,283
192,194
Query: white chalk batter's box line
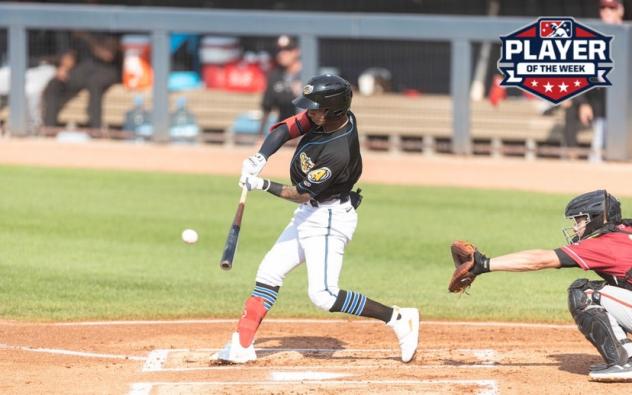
486,387
58,351
323,367
156,359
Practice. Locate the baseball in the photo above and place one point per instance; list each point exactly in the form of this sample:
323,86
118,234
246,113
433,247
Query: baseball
189,236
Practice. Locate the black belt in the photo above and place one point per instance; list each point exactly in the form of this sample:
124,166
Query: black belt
343,197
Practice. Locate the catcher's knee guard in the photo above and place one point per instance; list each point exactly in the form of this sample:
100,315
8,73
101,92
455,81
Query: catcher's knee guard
577,298
593,320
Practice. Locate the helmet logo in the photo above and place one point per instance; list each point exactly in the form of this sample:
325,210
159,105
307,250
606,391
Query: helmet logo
308,89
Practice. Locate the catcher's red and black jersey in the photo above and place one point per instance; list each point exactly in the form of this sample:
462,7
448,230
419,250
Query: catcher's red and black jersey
609,255
327,164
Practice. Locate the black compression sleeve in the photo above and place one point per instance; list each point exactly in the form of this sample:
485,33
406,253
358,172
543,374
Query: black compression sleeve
565,260
275,140
274,188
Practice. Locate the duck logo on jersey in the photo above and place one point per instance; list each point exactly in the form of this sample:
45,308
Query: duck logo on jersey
319,175
306,163
555,59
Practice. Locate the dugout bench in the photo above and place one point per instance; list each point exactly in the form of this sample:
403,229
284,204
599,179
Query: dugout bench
388,122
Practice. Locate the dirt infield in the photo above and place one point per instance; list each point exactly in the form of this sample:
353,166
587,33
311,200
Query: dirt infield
297,357
303,356
406,169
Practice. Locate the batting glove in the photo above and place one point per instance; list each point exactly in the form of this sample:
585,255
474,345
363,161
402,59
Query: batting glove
253,165
253,182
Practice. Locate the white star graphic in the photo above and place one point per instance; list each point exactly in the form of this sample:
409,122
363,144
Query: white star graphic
577,83
563,87
548,87
534,83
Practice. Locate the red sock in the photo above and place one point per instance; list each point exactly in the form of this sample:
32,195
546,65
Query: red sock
254,311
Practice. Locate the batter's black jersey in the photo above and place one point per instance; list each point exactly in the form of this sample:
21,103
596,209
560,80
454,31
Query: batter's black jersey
327,164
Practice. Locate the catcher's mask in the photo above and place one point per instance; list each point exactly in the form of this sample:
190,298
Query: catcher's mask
597,207
328,92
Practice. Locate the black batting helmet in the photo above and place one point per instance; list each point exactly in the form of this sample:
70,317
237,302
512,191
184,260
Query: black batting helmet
327,91
598,206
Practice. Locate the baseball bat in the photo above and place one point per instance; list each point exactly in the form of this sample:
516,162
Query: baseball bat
233,234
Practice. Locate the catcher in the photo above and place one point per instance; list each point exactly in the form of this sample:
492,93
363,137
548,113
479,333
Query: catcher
599,240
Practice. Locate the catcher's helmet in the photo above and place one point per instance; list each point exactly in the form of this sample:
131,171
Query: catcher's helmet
327,91
598,206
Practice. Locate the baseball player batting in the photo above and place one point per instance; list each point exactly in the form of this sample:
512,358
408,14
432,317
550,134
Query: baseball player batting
325,167
599,240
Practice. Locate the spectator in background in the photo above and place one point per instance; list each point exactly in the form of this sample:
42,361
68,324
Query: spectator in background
36,78
42,60
283,82
93,63
590,108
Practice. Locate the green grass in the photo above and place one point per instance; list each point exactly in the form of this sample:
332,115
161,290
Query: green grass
85,244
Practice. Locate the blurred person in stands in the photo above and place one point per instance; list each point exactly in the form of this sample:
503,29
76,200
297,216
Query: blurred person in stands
41,69
93,62
283,82
589,109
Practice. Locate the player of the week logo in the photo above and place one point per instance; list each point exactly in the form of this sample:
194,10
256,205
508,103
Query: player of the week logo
555,58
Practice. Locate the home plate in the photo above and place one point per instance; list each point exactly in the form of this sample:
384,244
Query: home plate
305,375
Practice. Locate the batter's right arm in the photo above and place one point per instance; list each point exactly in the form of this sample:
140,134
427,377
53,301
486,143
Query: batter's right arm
275,140
288,129
253,165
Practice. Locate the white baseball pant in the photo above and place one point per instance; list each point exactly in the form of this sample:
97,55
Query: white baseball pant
316,236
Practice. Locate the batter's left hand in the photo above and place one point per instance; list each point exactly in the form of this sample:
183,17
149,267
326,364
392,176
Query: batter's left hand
252,182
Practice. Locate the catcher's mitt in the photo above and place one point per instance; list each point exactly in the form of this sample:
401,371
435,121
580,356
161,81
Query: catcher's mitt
464,261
